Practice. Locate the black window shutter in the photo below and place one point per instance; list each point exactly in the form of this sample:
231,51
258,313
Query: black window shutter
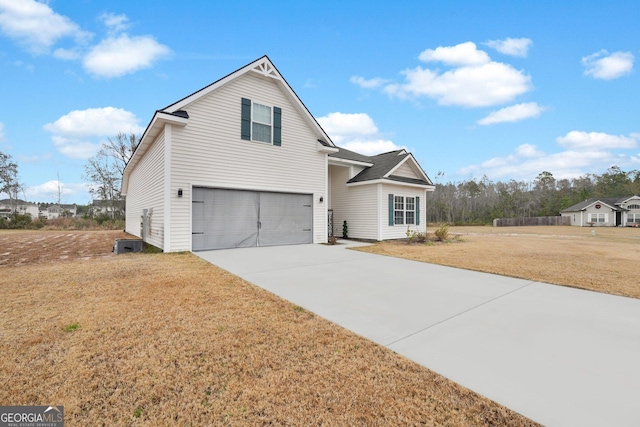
417,210
391,206
277,126
246,119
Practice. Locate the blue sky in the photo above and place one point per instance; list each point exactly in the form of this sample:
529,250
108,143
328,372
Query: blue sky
506,89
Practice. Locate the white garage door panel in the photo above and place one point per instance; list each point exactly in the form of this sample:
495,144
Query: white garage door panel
285,219
236,218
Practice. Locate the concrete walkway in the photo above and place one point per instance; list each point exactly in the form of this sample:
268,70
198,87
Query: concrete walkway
560,356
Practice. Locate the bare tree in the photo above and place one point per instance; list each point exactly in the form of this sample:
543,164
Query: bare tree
104,170
9,183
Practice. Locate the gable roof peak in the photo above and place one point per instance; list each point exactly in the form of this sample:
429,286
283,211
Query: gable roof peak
265,67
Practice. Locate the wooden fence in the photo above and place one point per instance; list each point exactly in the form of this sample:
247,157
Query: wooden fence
536,220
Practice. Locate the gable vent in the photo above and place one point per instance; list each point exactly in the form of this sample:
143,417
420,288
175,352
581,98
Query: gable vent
266,69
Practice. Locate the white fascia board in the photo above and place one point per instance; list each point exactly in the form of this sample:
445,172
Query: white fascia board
392,182
265,68
153,130
325,149
602,203
215,85
347,162
630,198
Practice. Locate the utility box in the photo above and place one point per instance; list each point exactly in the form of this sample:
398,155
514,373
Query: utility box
123,246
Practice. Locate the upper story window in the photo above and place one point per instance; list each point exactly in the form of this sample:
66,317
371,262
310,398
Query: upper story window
261,122
633,207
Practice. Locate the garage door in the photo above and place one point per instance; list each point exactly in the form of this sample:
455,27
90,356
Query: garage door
238,219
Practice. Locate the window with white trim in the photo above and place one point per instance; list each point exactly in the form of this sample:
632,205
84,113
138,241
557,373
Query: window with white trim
410,210
261,122
404,210
633,218
633,207
598,218
398,212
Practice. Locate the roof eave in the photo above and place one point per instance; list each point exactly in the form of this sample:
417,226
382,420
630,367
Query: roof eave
155,127
427,187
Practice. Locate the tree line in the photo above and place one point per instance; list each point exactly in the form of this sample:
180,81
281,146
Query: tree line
480,201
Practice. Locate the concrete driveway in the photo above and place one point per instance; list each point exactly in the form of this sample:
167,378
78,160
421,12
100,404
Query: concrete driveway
560,356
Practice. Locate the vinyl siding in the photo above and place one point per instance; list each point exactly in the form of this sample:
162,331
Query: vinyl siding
358,205
209,152
145,191
405,170
400,231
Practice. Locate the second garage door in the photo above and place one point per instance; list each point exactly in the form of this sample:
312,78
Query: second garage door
237,218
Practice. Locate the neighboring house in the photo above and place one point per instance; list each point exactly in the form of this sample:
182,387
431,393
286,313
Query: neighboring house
70,210
605,211
242,163
57,211
19,206
107,207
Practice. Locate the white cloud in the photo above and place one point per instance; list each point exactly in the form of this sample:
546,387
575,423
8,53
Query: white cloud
75,148
459,55
77,134
2,137
528,150
374,83
509,46
117,56
580,153
513,113
35,26
484,85
371,147
605,66
340,126
49,191
115,23
579,140
107,121
356,132
68,54
527,162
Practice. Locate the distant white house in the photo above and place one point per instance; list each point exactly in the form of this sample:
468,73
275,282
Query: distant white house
57,211
605,212
7,207
107,207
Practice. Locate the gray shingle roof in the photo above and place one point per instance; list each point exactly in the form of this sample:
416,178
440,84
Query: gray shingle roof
611,201
382,164
350,155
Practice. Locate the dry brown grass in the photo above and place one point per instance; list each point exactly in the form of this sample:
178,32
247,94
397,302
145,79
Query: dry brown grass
20,247
172,340
607,262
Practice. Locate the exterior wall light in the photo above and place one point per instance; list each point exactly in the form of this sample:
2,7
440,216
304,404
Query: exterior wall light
179,192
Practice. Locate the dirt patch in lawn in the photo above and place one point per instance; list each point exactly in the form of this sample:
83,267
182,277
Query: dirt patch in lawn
572,256
168,339
32,247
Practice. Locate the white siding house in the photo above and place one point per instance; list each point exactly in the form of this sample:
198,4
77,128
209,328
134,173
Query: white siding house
242,163
605,212
380,197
